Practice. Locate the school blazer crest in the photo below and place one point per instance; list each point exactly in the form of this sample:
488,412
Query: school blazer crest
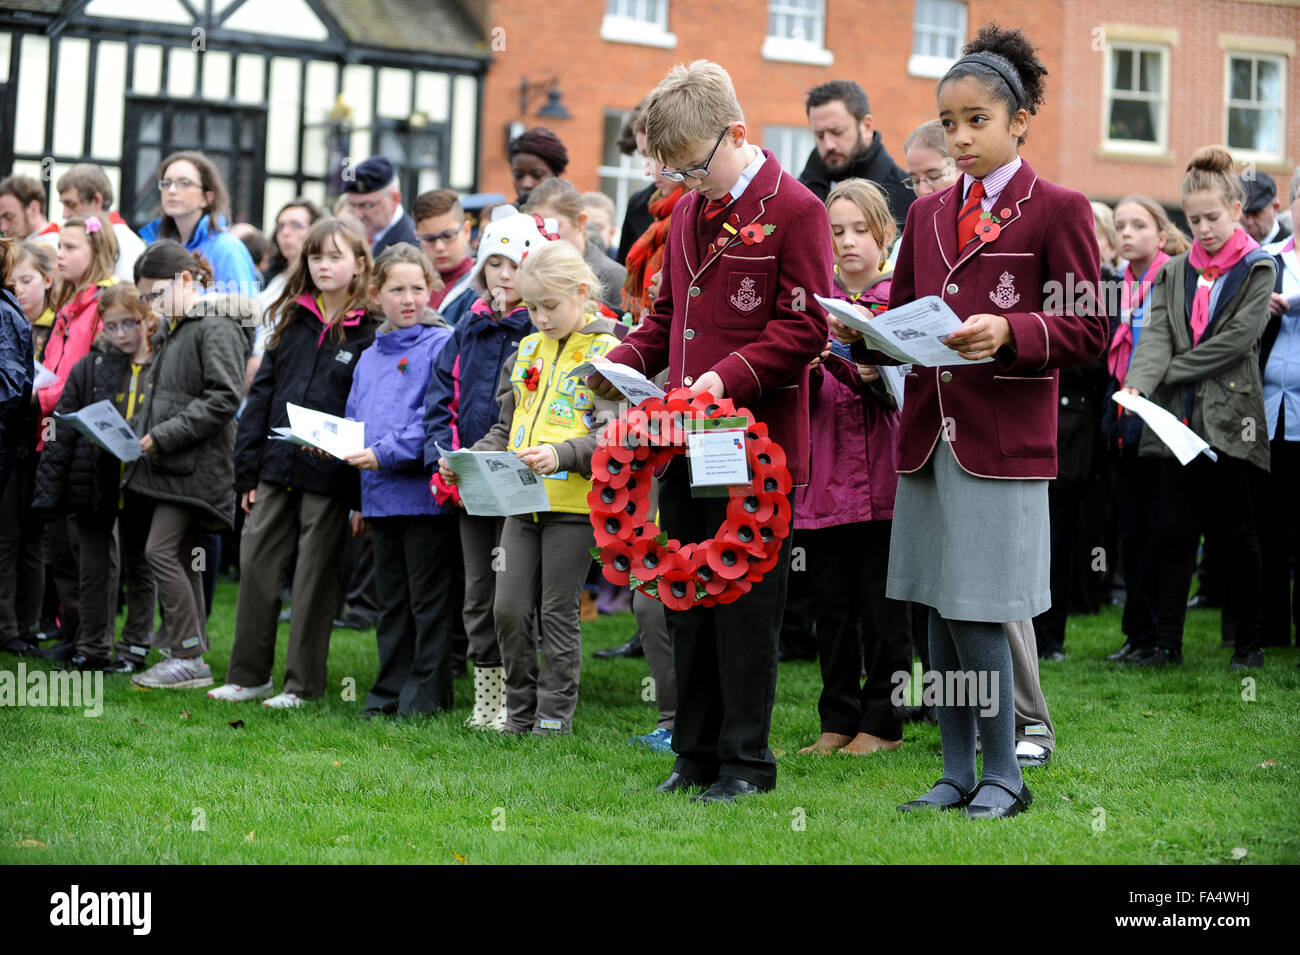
1041,273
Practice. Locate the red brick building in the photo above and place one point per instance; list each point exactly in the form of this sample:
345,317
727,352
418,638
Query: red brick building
1135,85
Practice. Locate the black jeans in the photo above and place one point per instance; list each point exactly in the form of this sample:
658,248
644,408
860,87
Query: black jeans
1279,534
725,656
1137,504
413,558
1209,496
847,567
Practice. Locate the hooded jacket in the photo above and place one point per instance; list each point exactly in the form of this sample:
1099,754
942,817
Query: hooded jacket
74,475
312,367
195,384
388,392
232,264
17,371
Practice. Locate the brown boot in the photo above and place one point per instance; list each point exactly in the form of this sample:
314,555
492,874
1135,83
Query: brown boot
864,744
826,743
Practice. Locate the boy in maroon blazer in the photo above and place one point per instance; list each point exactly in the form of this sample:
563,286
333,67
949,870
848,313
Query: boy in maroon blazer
735,317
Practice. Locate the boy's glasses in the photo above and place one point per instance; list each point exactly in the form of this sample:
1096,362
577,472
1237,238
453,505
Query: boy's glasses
179,184
933,178
148,298
695,172
446,235
126,325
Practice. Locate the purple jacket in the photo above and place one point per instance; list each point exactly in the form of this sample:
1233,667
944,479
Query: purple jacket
388,390
853,460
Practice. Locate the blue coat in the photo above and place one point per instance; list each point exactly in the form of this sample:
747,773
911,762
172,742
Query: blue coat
16,375
388,391
229,257
461,406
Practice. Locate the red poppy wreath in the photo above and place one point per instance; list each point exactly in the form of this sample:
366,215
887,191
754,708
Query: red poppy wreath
632,548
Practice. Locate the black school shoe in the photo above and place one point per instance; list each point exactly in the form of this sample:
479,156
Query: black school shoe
1248,661
1022,801
1155,657
19,647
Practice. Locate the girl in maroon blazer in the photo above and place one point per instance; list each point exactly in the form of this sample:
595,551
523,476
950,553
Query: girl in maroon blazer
1016,259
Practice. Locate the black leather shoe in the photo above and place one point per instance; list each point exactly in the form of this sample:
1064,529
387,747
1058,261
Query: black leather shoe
676,782
1022,801
60,651
19,647
124,665
728,789
1249,661
1156,657
920,714
1123,653
630,649
918,805
80,661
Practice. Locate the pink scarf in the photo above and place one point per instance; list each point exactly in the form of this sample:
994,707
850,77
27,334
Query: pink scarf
1133,292
1209,270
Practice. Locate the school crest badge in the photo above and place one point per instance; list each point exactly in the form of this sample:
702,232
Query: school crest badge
746,297
1005,295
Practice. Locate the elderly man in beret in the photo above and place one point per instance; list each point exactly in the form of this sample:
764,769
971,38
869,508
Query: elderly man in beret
375,197
1259,211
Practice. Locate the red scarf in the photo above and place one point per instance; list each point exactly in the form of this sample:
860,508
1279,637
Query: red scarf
1133,292
646,256
1209,269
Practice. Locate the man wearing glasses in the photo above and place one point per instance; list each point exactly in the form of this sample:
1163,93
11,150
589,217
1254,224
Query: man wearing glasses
849,147
374,196
443,233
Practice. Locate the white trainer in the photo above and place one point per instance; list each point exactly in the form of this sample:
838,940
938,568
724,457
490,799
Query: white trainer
232,693
284,701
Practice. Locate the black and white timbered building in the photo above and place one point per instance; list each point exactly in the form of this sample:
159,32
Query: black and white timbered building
282,94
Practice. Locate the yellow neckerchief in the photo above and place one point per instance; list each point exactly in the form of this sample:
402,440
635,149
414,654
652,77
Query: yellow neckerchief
132,397
45,319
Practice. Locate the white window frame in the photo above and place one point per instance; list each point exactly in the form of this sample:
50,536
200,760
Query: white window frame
1161,145
1254,155
926,64
629,177
810,50
779,139
621,24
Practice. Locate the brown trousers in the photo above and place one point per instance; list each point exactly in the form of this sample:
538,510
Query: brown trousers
282,523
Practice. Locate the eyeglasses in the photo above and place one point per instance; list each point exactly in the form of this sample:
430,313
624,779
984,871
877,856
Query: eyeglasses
446,235
363,206
148,298
126,325
179,184
695,172
933,178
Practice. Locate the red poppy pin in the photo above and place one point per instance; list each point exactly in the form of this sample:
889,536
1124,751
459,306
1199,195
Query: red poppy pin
402,365
755,232
1211,273
532,376
987,228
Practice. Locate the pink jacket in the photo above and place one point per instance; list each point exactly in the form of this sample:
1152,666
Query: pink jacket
75,327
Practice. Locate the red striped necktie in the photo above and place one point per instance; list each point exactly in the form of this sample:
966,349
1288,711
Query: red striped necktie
969,216
714,206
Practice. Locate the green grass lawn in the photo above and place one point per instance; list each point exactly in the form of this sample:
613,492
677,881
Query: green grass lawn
1152,767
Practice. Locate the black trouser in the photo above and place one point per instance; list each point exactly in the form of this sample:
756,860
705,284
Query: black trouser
22,561
798,642
1209,496
848,567
413,559
1137,504
210,541
64,568
1065,503
358,597
1279,534
725,656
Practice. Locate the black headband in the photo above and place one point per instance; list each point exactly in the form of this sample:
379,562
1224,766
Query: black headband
1000,66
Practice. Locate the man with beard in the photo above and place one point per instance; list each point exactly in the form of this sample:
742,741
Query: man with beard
848,146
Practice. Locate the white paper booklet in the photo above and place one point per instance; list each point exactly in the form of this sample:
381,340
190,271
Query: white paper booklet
496,483
337,436
910,333
634,386
1182,440
104,425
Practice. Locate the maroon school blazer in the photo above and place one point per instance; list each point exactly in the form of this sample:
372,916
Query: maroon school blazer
745,311
1041,274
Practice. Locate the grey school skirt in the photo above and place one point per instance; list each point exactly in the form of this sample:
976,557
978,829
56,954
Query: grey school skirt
973,548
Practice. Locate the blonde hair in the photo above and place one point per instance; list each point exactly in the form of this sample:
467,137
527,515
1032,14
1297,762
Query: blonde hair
42,258
688,109
929,135
1211,169
871,202
558,195
103,255
1175,242
557,268
403,253
1103,219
